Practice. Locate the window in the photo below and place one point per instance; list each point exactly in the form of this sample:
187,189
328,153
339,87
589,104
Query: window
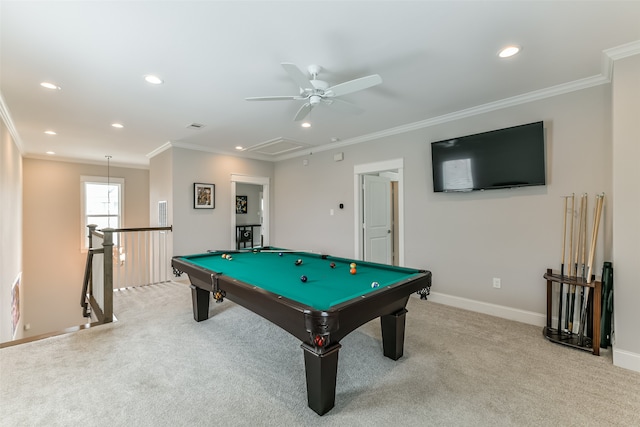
101,200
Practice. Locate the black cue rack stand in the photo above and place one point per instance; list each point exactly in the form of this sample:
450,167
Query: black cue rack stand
591,342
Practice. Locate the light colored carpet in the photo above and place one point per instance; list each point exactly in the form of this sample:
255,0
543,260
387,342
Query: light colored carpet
156,366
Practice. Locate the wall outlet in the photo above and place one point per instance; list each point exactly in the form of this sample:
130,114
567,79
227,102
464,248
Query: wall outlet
496,282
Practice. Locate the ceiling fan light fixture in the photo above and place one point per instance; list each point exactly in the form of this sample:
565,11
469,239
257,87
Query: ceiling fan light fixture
306,125
318,92
509,51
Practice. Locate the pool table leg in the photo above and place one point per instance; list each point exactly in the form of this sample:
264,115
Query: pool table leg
200,300
393,334
321,370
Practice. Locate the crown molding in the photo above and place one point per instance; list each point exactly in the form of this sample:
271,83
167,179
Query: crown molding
623,51
159,150
56,158
8,121
468,112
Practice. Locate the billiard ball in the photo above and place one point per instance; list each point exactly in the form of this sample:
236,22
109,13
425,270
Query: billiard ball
332,265
229,257
224,256
279,253
352,271
352,265
298,262
303,279
255,251
375,285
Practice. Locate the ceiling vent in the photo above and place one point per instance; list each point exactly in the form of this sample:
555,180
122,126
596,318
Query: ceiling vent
195,126
277,146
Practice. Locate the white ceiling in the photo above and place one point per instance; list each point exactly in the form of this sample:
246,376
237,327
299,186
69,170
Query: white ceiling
437,60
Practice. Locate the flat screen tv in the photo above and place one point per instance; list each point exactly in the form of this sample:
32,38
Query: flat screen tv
504,158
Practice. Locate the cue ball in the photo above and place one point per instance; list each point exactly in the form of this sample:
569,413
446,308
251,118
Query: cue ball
279,253
332,265
352,265
375,285
303,278
298,262
352,271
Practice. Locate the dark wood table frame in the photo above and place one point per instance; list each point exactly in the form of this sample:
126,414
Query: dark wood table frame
319,330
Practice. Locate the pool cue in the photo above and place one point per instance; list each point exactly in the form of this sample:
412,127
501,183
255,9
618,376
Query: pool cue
594,238
579,240
567,320
583,250
284,251
584,240
248,250
564,241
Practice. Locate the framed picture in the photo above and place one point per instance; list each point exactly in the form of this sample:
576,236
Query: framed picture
241,204
204,196
15,305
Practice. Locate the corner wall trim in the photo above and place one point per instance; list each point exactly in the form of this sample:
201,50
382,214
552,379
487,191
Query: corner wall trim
626,359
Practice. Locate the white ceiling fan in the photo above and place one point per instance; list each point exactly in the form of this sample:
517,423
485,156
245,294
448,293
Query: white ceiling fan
315,91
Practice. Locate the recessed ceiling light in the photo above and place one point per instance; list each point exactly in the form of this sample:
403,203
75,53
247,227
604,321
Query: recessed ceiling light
154,80
51,153
509,51
50,132
239,147
306,125
117,125
50,86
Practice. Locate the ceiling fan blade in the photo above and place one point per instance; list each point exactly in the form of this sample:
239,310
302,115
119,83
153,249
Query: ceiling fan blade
301,79
342,106
274,98
354,85
303,112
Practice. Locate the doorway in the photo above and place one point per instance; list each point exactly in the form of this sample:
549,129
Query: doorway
249,210
378,190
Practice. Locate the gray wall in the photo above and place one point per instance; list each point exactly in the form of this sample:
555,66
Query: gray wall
464,239
197,230
253,203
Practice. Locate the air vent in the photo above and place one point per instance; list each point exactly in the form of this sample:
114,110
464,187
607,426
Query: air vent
162,213
277,146
195,126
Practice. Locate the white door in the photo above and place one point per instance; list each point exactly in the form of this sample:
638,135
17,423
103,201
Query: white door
377,219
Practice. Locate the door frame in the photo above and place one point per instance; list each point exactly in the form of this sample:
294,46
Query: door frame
394,165
256,180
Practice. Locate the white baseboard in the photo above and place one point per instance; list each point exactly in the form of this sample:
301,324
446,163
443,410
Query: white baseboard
529,317
621,358
626,359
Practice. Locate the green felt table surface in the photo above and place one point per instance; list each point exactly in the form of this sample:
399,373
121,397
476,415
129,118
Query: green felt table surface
325,287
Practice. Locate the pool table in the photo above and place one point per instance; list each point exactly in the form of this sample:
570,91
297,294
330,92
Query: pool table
319,311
